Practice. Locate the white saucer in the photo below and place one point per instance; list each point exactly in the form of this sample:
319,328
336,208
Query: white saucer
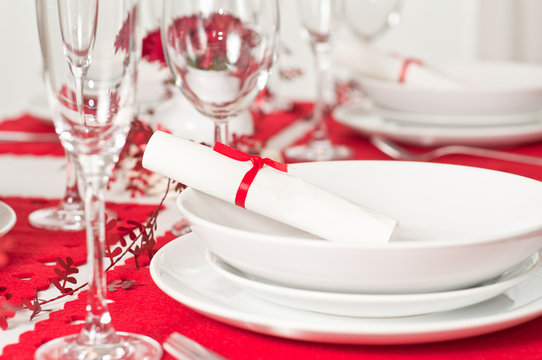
181,271
373,305
371,124
7,218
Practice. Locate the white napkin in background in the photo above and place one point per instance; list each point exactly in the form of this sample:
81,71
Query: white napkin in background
365,60
273,193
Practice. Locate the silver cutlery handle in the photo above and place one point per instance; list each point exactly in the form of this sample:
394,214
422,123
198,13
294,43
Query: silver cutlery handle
490,153
183,348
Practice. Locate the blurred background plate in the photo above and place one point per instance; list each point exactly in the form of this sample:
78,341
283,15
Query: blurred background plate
371,124
489,88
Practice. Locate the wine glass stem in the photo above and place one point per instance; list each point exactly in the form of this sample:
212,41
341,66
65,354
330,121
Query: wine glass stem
322,55
221,131
79,74
98,328
72,198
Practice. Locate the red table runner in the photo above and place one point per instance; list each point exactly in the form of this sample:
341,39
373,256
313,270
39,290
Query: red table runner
29,123
145,309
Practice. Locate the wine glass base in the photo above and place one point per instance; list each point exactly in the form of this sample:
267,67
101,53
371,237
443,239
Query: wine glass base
57,218
181,227
130,346
321,150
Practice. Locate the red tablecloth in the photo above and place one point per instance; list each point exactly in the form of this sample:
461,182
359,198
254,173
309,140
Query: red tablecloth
145,309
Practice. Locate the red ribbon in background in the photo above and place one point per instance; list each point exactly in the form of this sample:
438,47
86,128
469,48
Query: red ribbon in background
406,63
257,163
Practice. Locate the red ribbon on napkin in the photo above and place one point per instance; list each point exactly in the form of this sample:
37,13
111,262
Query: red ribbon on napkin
406,63
257,163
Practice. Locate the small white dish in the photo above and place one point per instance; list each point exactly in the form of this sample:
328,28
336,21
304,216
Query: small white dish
491,88
181,271
369,123
450,218
373,305
7,218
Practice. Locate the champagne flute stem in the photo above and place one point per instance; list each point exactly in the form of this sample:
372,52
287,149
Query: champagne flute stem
221,131
79,79
98,328
322,54
72,198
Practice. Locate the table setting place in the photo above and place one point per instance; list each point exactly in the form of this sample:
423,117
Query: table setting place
166,201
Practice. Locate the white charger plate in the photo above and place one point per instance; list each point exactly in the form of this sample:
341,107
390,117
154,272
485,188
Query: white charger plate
490,88
373,305
181,271
371,124
7,218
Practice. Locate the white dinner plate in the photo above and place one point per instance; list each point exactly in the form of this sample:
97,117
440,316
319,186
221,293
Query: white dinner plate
373,305
181,271
371,124
7,218
490,88
466,121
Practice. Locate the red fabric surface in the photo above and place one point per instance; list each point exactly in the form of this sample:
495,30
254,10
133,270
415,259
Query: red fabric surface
32,252
145,309
29,123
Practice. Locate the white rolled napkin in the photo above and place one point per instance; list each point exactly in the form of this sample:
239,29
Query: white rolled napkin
366,60
273,193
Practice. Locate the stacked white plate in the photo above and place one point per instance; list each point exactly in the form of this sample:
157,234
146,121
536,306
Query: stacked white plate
462,264
496,104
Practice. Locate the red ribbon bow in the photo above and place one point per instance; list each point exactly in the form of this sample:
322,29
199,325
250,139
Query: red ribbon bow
257,163
406,63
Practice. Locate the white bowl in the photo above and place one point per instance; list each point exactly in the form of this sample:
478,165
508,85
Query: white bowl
458,226
491,88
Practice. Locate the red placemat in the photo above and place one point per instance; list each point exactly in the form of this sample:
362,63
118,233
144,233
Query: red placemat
31,124
32,252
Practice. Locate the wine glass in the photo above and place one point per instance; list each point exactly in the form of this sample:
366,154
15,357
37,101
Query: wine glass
90,58
220,53
321,19
68,215
369,19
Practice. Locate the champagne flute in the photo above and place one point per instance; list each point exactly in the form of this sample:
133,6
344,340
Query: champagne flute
321,20
369,19
90,58
220,53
